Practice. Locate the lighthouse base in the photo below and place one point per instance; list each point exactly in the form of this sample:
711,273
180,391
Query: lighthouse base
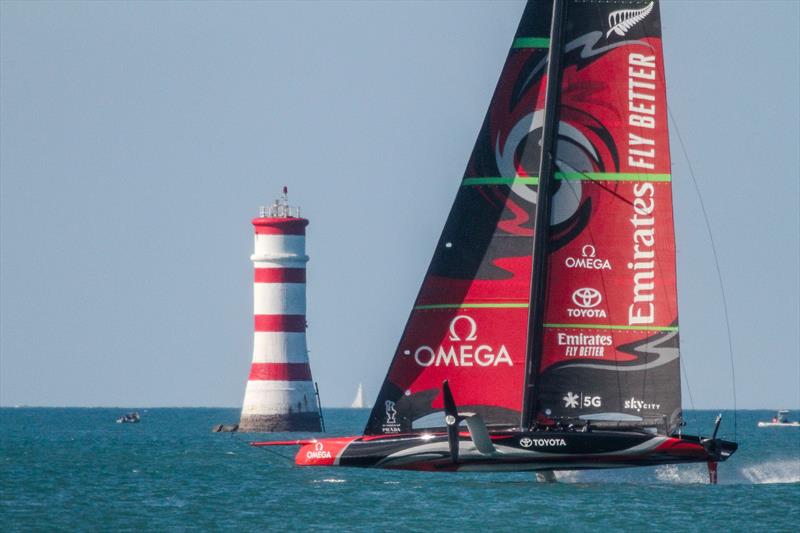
280,423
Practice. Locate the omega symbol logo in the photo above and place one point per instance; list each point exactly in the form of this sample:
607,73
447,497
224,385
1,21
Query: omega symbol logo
472,332
587,297
588,251
318,446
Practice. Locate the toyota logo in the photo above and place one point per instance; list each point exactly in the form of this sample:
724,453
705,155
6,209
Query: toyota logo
525,442
587,297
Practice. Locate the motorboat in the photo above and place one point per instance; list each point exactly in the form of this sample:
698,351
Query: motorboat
781,419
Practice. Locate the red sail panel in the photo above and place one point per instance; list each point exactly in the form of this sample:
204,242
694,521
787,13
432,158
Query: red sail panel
469,322
610,345
481,351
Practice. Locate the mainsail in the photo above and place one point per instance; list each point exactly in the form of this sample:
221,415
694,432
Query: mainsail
609,331
595,335
469,322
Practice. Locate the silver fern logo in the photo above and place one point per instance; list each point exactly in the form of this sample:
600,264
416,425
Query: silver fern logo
623,20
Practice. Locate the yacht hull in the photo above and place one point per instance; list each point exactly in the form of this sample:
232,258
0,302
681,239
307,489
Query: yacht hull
513,451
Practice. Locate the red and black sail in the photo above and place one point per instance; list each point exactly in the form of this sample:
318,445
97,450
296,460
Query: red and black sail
469,322
592,331
609,346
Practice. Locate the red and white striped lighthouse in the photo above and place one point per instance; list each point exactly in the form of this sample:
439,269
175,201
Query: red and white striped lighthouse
280,394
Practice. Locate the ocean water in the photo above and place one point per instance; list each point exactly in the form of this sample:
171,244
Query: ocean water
76,470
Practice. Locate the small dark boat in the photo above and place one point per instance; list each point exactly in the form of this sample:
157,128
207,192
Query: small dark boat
130,418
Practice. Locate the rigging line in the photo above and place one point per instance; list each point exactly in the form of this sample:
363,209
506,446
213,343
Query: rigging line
245,444
599,184
688,387
683,367
716,264
662,72
273,452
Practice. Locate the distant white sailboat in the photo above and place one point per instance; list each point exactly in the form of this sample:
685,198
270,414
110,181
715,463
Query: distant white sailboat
358,402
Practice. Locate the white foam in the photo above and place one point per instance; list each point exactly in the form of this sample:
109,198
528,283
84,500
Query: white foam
783,471
567,476
682,474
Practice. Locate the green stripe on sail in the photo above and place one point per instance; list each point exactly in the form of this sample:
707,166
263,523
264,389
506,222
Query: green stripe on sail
493,305
611,176
499,181
531,42
609,326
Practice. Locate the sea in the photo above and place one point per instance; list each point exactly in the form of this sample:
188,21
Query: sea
72,469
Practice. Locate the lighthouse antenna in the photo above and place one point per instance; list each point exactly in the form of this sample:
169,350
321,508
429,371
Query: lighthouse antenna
280,208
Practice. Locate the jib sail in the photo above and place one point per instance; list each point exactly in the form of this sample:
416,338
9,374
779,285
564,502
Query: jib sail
469,321
609,345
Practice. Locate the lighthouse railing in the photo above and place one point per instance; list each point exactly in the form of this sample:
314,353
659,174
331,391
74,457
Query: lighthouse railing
278,210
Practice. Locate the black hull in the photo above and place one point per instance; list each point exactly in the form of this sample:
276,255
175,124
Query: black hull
513,451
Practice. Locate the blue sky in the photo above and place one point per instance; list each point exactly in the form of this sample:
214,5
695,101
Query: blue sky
138,139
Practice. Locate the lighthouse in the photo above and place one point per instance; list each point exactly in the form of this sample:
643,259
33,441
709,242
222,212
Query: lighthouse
280,393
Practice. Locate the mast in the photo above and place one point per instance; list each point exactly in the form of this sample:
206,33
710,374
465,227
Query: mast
542,225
